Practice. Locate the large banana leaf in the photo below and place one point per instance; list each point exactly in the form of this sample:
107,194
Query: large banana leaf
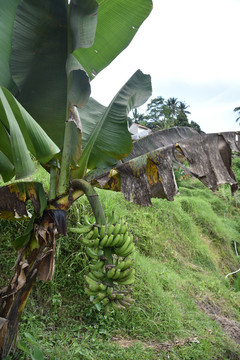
147,174
42,64
106,138
118,22
19,135
7,14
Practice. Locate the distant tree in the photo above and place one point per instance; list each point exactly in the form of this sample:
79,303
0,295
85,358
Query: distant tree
182,119
163,114
195,126
155,108
137,116
172,103
237,109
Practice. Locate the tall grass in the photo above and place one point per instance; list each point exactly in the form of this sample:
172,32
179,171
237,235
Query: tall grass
184,250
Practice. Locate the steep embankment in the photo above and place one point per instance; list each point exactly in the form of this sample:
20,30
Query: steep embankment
185,308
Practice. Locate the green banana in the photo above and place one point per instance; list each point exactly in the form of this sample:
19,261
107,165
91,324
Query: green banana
89,292
81,230
120,265
105,301
95,233
129,250
116,305
110,229
102,287
127,263
89,243
124,303
119,296
109,290
95,242
91,281
102,231
126,235
111,273
125,273
89,236
103,241
124,228
117,239
109,241
116,229
97,274
93,277
99,297
129,300
123,248
94,287
97,266
127,281
117,274
91,253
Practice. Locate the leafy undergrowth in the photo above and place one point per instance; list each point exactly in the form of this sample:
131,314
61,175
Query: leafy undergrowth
185,307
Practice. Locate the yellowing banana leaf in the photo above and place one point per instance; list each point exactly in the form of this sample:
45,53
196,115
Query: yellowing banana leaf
14,197
151,174
105,134
20,134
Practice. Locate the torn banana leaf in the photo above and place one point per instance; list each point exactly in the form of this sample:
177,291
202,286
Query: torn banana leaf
14,197
148,171
106,138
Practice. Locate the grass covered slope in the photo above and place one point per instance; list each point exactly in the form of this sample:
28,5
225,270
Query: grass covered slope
185,308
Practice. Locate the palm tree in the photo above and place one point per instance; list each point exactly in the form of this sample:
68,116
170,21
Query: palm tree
182,107
237,109
172,103
182,119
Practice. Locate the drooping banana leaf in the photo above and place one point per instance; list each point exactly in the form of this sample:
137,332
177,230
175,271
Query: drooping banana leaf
14,198
20,134
148,174
106,138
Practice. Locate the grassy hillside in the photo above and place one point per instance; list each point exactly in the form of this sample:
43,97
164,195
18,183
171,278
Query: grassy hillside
185,307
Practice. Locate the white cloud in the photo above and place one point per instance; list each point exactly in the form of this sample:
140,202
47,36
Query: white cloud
190,48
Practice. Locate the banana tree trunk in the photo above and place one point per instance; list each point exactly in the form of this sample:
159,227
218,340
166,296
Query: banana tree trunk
35,259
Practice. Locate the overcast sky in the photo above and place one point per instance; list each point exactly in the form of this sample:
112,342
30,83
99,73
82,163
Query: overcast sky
191,50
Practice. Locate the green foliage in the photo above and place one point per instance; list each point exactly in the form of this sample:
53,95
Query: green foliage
162,114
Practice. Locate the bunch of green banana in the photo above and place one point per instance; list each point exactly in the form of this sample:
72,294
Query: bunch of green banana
117,237
106,292
111,265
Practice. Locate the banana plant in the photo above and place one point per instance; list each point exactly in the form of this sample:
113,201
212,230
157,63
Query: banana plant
50,52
